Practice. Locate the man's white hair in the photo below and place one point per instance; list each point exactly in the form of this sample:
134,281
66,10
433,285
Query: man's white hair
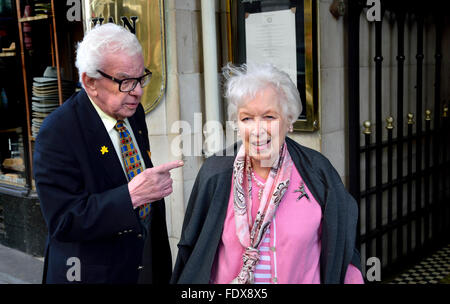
244,82
104,39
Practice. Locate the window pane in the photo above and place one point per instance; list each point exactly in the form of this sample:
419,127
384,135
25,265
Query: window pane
12,130
12,166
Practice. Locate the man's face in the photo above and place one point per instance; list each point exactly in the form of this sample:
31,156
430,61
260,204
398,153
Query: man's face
107,96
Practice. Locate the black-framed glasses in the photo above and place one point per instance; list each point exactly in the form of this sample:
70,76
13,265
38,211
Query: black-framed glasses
128,84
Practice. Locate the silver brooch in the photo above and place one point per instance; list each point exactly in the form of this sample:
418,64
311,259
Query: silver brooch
302,191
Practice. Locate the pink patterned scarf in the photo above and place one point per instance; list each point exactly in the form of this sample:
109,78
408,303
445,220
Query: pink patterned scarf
248,232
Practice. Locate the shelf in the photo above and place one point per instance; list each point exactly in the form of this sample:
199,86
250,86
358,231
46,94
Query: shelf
44,19
14,130
34,18
20,169
7,54
12,180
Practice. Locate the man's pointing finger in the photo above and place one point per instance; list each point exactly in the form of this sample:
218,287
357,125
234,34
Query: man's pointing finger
169,166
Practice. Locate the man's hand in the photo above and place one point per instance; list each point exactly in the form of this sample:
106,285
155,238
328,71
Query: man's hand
152,184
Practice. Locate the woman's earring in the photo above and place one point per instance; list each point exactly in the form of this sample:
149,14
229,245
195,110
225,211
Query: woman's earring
291,129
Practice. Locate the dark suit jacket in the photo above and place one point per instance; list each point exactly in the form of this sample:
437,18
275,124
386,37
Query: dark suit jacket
86,203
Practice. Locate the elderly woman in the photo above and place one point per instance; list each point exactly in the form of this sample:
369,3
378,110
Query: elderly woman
274,211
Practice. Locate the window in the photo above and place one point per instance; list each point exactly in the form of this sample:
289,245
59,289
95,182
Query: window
304,45
31,55
12,128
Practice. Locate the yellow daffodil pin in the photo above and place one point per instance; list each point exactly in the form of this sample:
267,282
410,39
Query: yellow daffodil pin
104,150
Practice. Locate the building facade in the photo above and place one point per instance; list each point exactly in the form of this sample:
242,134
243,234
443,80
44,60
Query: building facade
198,37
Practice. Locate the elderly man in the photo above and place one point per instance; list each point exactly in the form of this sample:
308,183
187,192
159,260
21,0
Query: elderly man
100,195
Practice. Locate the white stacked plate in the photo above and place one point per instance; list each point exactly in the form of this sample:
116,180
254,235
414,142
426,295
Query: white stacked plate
45,99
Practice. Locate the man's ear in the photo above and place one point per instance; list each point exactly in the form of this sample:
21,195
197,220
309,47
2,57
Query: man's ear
89,84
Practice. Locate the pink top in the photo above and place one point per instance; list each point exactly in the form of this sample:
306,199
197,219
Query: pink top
294,241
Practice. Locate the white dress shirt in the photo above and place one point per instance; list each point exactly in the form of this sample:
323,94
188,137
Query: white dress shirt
109,124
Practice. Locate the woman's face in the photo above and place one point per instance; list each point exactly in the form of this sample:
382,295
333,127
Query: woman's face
262,126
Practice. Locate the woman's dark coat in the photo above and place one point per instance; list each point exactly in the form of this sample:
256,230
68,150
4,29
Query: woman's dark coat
207,207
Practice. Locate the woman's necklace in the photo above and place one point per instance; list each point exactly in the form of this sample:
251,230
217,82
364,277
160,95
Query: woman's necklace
259,184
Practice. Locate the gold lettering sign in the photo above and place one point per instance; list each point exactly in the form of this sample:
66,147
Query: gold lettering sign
145,19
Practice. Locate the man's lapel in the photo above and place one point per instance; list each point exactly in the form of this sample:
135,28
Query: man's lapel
99,143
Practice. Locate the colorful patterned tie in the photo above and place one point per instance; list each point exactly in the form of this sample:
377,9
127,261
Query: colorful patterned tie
131,160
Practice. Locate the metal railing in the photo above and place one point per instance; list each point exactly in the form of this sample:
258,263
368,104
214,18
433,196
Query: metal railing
403,215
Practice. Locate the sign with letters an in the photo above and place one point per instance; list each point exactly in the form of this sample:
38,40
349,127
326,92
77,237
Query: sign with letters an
145,19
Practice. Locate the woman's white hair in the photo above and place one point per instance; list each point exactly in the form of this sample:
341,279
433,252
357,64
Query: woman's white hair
101,40
245,81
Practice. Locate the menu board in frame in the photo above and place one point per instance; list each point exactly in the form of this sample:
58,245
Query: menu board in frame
284,33
145,19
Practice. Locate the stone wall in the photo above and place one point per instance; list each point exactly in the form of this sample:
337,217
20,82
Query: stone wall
24,227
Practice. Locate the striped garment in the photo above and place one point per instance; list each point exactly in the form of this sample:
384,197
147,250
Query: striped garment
263,271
